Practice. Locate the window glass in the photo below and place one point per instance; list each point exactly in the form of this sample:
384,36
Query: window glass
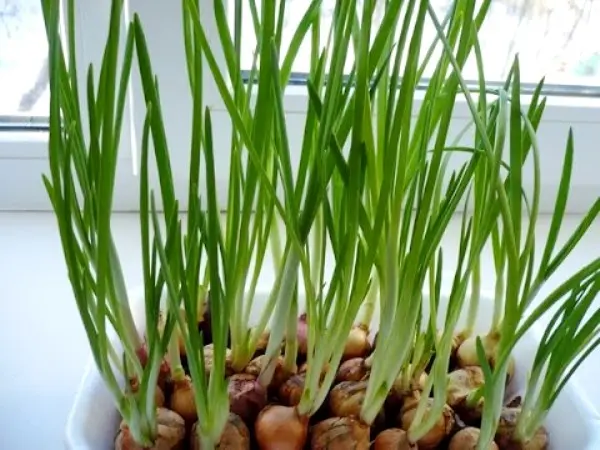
554,39
23,61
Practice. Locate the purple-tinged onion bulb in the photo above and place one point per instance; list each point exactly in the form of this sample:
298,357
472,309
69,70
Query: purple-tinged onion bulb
246,396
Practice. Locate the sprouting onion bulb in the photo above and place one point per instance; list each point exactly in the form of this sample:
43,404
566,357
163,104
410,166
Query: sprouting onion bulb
340,433
354,369
507,437
357,344
519,276
280,376
182,399
467,439
434,436
83,150
463,384
170,433
290,392
346,398
235,436
247,397
571,334
393,439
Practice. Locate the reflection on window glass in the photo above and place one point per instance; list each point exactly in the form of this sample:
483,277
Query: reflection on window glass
554,38
23,59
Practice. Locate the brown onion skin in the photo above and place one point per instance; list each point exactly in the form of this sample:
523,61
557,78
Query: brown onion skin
466,439
461,382
290,392
246,396
236,435
182,400
398,393
280,376
340,433
393,439
170,431
346,398
505,433
442,428
357,343
280,427
353,369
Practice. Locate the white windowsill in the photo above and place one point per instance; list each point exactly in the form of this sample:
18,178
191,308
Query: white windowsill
43,346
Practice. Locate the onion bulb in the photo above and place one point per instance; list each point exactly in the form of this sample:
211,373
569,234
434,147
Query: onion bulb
461,383
280,427
280,376
357,343
290,392
247,397
442,428
346,398
182,400
393,439
352,370
340,433
505,433
466,439
236,435
466,355
170,433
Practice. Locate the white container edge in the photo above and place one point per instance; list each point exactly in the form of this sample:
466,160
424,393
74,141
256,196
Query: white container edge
573,423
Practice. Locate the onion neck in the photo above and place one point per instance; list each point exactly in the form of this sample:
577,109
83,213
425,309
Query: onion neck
122,298
177,371
368,307
291,337
474,301
498,305
284,301
143,430
207,443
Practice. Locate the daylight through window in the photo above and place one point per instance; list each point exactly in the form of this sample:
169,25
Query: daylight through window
23,63
554,38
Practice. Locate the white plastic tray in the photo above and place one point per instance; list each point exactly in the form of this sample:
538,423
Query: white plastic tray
572,424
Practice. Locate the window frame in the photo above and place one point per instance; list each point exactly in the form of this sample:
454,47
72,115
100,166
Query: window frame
24,149
23,157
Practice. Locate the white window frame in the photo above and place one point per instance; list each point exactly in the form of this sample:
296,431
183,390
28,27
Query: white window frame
24,156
